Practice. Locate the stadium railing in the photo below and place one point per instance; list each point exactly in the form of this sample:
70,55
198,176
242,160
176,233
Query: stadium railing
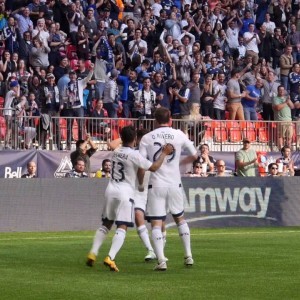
224,135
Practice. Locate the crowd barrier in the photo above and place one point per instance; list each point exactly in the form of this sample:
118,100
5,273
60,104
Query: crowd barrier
46,204
62,132
55,164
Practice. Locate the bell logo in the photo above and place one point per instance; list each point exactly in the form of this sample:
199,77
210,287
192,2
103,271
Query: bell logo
9,173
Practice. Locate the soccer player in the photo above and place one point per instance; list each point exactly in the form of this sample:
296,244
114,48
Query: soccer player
119,195
165,189
140,200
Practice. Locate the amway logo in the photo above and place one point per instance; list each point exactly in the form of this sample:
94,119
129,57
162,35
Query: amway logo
9,173
248,200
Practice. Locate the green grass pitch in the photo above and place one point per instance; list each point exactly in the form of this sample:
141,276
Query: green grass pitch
247,263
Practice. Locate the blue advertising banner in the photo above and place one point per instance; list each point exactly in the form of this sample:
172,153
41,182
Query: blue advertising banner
76,204
55,164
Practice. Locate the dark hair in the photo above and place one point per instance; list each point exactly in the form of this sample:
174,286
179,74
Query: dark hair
195,162
233,72
284,148
104,161
271,165
141,132
128,134
162,115
78,160
203,146
79,143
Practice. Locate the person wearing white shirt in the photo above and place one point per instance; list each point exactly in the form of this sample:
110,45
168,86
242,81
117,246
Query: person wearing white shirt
252,41
41,31
232,34
165,192
156,8
137,45
270,26
187,39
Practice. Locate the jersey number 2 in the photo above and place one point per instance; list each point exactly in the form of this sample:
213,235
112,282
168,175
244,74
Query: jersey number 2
158,152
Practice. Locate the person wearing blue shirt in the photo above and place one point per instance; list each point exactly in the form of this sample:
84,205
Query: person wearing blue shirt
251,99
130,85
246,21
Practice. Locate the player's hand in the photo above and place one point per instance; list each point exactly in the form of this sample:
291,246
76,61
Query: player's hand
168,149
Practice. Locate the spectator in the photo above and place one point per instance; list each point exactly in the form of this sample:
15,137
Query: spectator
220,99
286,161
270,87
145,101
111,94
197,170
9,104
282,106
98,126
179,99
273,170
84,153
23,20
105,170
234,96
205,158
251,100
286,64
221,169
73,103
31,170
38,57
78,170
252,42
51,105
246,160
10,33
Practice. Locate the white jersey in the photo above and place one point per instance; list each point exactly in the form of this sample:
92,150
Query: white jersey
125,163
168,174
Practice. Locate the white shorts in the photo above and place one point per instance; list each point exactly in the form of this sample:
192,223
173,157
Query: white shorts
140,200
162,200
119,205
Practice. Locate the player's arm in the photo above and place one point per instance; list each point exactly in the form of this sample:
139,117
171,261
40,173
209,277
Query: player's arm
166,150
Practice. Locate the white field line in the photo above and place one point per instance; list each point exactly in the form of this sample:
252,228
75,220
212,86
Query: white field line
136,236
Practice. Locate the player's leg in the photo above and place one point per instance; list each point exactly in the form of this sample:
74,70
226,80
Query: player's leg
124,218
99,238
158,244
156,212
108,217
143,233
184,233
175,200
164,232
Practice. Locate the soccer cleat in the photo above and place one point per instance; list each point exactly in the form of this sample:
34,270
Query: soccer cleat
188,261
150,255
91,258
111,264
162,266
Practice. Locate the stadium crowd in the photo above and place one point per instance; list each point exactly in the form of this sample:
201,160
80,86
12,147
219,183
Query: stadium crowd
111,58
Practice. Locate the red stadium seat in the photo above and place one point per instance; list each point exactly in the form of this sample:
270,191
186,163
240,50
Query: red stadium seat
2,127
235,134
263,135
250,134
220,135
63,129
